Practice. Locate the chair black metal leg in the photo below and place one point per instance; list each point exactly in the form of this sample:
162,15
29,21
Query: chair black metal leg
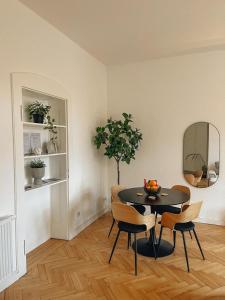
174,239
185,249
156,214
159,241
113,222
114,246
196,237
190,234
128,240
152,234
135,254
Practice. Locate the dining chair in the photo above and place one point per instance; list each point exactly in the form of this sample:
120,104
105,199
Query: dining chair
190,179
160,209
181,222
194,178
115,189
131,221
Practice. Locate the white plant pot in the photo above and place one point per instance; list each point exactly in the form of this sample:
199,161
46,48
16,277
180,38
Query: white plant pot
38,174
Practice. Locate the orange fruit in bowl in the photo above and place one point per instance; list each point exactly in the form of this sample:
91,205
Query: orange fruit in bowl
153,182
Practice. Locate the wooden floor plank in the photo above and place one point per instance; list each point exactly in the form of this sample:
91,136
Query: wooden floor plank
79,269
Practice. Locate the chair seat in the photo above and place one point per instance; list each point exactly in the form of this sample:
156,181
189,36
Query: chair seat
140,208
160,209
184,226
131,228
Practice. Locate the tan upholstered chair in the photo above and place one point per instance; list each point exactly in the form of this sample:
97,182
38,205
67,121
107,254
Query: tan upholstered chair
182,222
131,221
198,176
194,178
115,189
169,208
190,179
182,188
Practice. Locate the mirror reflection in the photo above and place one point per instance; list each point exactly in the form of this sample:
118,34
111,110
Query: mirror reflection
201,154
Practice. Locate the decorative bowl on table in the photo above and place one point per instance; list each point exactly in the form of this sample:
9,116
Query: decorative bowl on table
151,187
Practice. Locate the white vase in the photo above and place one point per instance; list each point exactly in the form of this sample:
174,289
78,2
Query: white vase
38,174
52,147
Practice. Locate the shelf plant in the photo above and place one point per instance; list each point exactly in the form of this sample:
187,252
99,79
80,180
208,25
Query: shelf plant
52,146
37,163
37,170
37,111
119,139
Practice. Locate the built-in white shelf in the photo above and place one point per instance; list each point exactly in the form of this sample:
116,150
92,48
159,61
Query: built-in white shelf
48,203
43,155
47,182
40,125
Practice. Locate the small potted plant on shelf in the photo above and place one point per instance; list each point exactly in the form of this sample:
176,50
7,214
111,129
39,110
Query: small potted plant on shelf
52,145
37,170
37,111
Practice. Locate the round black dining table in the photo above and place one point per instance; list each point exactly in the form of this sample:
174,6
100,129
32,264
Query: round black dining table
138,196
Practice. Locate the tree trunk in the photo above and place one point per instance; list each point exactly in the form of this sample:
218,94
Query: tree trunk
118,171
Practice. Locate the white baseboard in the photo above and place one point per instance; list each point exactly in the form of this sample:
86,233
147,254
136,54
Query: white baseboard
8,281
11,279
34,244
211,221
81,227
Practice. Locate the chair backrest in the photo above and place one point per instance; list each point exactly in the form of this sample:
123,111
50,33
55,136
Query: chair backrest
190,213
198,173
115,189
126,213
182,188
190,179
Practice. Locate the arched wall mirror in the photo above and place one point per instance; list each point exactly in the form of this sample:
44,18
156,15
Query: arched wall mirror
201,154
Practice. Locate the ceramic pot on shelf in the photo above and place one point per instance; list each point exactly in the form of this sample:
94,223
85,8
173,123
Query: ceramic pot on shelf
37,118
38,174
52,147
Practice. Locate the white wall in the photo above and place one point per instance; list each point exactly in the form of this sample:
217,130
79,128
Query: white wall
29,44
165,96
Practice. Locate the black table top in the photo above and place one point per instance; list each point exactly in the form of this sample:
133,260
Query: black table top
174,197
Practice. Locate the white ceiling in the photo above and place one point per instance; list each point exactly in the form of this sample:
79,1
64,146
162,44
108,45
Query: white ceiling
122,31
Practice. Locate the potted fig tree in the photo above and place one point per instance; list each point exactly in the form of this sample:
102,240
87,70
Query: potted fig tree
119,139
37,170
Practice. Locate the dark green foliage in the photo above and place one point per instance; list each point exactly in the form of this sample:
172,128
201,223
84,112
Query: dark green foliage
37,163
119,139
37,108
51,128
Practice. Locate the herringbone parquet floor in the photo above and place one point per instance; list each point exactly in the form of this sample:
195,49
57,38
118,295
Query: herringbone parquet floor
78,269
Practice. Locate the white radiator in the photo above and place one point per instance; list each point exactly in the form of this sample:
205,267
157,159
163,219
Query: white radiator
7,246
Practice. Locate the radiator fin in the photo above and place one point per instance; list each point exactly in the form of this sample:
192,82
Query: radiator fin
7,247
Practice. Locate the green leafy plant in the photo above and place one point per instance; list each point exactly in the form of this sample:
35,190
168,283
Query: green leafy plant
51,128
119,139
37,108
37,163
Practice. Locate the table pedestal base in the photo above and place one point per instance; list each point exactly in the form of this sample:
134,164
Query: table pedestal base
145,248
